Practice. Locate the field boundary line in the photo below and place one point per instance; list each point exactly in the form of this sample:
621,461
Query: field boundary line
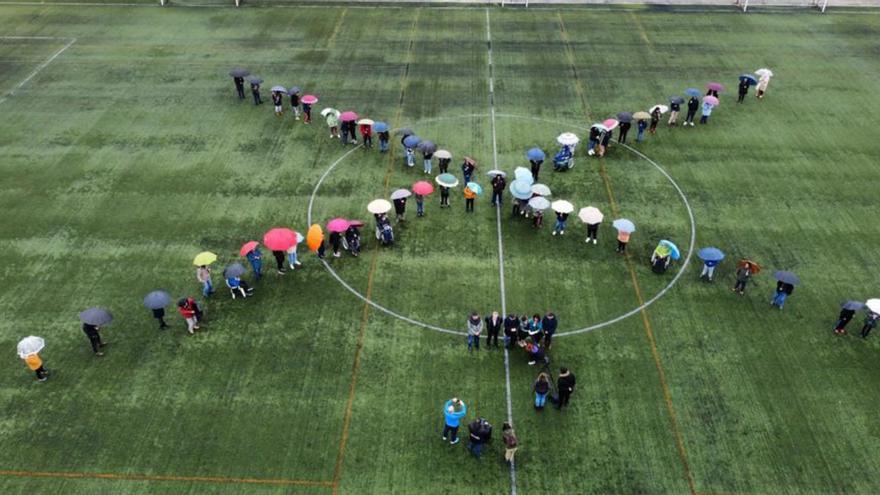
39,68
163,477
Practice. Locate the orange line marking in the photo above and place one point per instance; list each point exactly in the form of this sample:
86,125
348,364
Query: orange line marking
164,477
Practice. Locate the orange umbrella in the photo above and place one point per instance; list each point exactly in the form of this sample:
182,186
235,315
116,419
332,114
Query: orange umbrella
315,237
753,267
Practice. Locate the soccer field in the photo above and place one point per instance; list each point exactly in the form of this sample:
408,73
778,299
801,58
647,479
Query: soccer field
124,151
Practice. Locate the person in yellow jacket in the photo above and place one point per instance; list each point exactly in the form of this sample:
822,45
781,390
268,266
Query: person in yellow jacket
469,197
34,362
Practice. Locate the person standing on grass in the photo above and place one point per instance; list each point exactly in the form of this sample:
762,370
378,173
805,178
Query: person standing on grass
536,168
743,90
592,141
709,269
239,86
400,209
444,197
35,363
510,442
549,324
384,137
255,258
292,258
870,323
469,197
480,433
559,228
307,112
159,314
255,90
279,261
622,241
278,101
542,389
294,104
332,120
498,185
443,163
743,274
763,82
655,119
674,108
511,330
707,111
335,243
188,312
624,130
420,205
783,290
93,332
426,161
846,315
453,410
592,233
641,125
367,135
536,329
474,328
494,323
203,275
467,169
604,141
693,106
565,385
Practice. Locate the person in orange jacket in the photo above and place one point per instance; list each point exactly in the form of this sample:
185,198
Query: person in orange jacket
34,362
469,197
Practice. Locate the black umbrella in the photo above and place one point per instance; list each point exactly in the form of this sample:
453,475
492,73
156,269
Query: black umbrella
405,131
427,147
853,305
157,299
255,80
787,277
234,270
676,100
294,90
239,72
96,316
625,117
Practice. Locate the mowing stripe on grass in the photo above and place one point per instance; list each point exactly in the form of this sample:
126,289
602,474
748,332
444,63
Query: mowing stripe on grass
39,67
163,477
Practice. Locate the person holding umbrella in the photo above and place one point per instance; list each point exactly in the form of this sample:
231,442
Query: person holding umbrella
292,257
443,163
624,130
763,81
307,111
624,229
674,107
536,158
294,101
641,125
28,350
707,111
655,119
420,190
561,218
383,134
239,86
498,185
743,89
255,91
255,258
331,117
474,328
278,101
366,131
591,216
711,258
783,290
469,197
427,148
35,363
467,168
847,312
156,301
693,106
203,275
400,209
93,332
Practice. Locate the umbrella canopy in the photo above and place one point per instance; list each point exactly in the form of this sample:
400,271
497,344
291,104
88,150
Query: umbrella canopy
348,116
475,188
446,180
662,251
853,305
380,127
338,225
711,100
764,73
541,190
494,172
676,100
378,206
30,345
280,239
255,80
400,194
599,127
873,305
315,237
536,155
676,254
753,267
365,122
248,247
412,141
427,147
663,108
309,99
642,115
443,154
327,111
567,139
710,254
403,131
693,92
524,175
294,90
520,189
157,299
610,124
423,188
715,86
624,225
625,117
280,89
562,206
234,270
239,72
96,316
590,215
204,258
539,203
787,277
356,223
750,78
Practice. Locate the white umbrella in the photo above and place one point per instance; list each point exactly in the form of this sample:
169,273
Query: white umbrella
365,121
400,194
764,73
443,154
539,203
567,139
873,305
328,111
493,173
30,345
541,190
379,206
562,206
663,108
590,215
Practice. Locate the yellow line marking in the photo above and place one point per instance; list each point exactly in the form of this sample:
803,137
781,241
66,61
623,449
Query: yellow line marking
331,41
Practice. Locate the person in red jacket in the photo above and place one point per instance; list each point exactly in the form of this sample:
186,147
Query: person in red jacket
367,135
187,309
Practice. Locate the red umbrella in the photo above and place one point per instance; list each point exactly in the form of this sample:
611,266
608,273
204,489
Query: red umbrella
279,239
248,247
423,188
338,225
348,116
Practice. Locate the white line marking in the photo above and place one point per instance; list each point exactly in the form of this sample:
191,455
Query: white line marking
37,70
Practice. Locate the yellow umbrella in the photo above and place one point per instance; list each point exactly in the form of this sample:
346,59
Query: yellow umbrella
204,258
315,237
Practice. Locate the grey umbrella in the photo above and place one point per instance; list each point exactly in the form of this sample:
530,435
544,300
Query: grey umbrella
239,72
96,316
405,131
280,89
255,80
157,299
676,100
625,117
853,305
234,270
787,277
427,147
294,90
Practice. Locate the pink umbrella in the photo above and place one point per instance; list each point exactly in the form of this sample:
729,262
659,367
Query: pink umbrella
338,225
348,116
711,100
714,86
310,99
610,124
248,247
423,188
279,239
356,223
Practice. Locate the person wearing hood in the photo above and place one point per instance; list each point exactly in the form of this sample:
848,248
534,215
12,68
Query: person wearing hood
565,385
474,329
453,410
693,106
783,290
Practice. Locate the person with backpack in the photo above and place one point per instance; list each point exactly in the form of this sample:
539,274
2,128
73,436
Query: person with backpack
510,442
542,389
453,410
565,386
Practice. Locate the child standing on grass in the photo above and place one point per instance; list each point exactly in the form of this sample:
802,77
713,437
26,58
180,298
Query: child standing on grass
333,124
559,228
622,241
640,127
35,364
510,442
693,105
255,258
383,141
307,113
367,135
542,389
474,328
469,197
278,102
453,410
707,111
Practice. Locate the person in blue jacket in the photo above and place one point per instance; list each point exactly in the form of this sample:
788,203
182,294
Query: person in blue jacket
707,111
255,257
453,411
549,324
709,269
641,126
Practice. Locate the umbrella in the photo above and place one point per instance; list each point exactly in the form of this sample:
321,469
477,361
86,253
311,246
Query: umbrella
693,92
400,194
356,223
711,254
423,188
562,206
30,345
764,73
239,72
567,139
599,127
96,316
753,267
378,206
625,117
676,100
536,155
294,90
624,225
662,251
663,108
711,100
315,237
309,99
520,189
234,270
279,239
204,258
539,203
157,299
403,131
280,89
641,115
676,254
338,225
255,80
380,127
853,305
327,111
427,147
873,305
475,188
524,175
590,215
412,141
750,78
494,172
610,124
348,116
714,86
787,277
446,180
443,154
248,247
541,190
365,122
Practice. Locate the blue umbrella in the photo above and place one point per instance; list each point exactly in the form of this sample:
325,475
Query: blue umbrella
711,254
624,225
693,92
412,141
520,189
536,154
157,299
853,305
475,188
380,127
624,117
750,78
787,277
676,254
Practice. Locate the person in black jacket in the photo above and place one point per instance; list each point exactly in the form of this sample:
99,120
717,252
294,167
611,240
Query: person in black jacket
493,328
443,163
693,106
400,209
743,89
536,168
846,315
239,86
624,129
255,90
565,385
783,290
498,185
674,108
159,314
92,332
511,330
278,101
549,323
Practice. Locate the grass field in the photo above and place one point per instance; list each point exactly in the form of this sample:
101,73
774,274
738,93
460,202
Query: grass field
125,153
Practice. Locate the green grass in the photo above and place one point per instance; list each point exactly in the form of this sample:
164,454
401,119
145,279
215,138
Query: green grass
128,154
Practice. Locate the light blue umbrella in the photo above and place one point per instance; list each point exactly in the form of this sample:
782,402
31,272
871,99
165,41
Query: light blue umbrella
693,92
520,189
676,254
523,174
412,141
711,254
536,154
380,127
624,225
475,188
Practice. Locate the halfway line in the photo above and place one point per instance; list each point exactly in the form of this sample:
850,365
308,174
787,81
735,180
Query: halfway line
37,70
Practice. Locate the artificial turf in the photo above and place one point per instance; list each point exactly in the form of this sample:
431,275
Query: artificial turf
129,153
